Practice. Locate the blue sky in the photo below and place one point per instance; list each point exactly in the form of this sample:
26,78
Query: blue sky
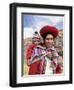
36,22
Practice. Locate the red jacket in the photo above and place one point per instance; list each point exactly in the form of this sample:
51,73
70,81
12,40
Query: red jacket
29,52
35,67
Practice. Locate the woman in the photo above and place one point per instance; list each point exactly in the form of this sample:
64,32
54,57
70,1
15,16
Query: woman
53,60
46,55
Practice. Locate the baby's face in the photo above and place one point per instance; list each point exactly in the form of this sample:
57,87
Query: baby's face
36,41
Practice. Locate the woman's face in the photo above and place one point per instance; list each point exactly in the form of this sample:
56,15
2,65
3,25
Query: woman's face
49,41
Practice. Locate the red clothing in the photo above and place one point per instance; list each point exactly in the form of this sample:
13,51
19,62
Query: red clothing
29,52
35,67
58,69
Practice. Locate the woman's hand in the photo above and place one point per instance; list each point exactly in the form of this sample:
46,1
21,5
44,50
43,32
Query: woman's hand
49,54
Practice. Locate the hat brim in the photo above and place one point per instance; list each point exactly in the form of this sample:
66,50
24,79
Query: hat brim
49,29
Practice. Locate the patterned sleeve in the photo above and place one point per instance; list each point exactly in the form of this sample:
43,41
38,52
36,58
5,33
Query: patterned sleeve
57,63
36,53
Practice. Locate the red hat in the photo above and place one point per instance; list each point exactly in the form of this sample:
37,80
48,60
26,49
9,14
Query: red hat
49,29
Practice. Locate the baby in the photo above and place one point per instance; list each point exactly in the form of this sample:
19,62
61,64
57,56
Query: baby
35,41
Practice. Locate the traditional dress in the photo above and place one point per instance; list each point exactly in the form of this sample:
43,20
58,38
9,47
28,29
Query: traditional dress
37,61
43,63
29,52
53,62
